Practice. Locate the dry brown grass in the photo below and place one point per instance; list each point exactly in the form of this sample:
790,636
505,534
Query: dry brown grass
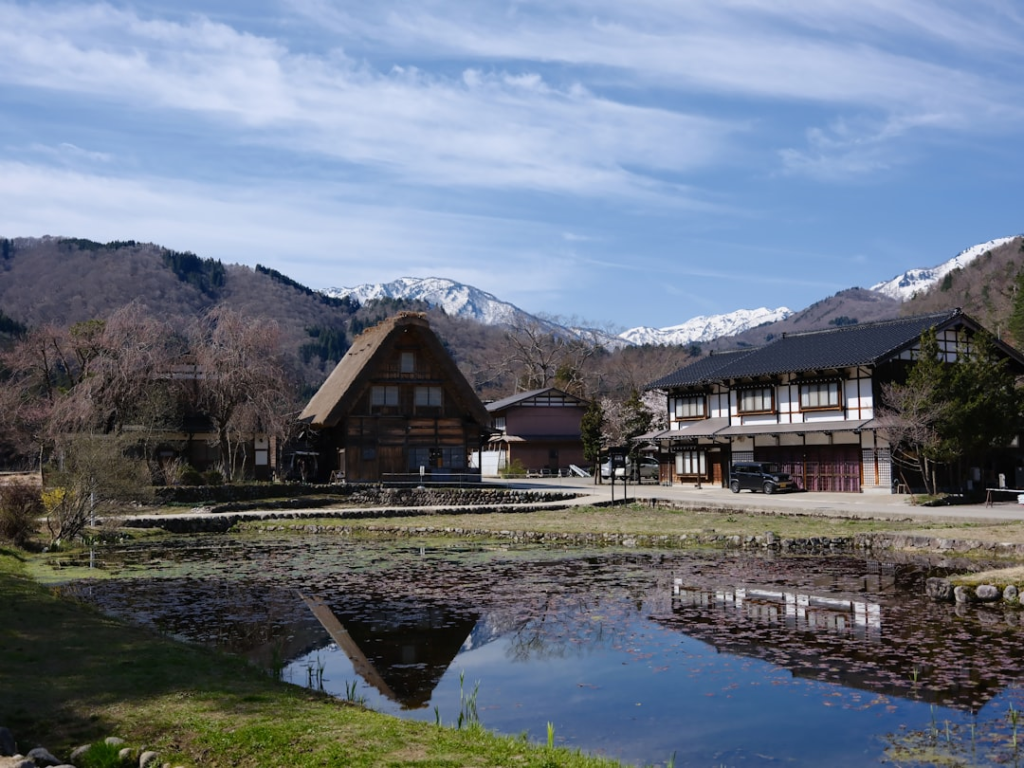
657,521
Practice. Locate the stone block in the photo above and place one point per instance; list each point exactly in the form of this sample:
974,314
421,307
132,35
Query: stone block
939,590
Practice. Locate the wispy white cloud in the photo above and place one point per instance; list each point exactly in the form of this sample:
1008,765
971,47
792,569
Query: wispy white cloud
873,54
483,129
596,143
68,153
323,242
918,64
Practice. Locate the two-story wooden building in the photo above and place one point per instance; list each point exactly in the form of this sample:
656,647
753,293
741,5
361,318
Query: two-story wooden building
395,403
805,401
540,429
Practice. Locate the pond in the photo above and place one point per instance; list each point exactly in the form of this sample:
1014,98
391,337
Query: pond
707,658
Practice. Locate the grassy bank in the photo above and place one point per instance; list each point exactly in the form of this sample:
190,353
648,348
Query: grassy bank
69,676
663,521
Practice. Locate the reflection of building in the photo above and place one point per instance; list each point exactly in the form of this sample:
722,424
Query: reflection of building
888,648
815,612
401,648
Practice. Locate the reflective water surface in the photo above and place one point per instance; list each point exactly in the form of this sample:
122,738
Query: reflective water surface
717,658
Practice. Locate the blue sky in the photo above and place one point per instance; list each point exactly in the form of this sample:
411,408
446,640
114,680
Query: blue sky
622,163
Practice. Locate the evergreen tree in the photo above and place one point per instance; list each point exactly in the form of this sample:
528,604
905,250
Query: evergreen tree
1016,321
592,434
951,413
638,420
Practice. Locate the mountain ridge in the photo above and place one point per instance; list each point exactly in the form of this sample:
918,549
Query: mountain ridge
881,301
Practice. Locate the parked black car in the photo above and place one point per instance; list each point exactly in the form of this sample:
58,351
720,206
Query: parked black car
759,476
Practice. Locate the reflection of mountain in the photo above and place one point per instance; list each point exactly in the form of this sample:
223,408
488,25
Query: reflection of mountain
486,631
851,640
400,647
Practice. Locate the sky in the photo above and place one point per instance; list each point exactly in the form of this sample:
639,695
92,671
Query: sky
624,164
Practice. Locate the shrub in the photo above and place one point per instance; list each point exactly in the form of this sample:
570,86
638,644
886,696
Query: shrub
68,511
101,755
514,469
213,477
20,507
191,476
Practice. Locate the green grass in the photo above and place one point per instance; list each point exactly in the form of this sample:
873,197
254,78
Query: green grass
72,676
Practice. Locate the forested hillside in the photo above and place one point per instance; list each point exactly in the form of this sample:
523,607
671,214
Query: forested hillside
989,289
63,281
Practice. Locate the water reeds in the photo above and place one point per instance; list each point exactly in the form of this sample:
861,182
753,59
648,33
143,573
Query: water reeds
468,714
315,675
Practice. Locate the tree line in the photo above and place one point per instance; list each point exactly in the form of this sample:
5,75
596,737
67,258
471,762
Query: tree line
92,402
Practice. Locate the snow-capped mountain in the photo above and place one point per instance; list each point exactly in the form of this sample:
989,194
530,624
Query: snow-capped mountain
462,300
707,327
903,287
454,298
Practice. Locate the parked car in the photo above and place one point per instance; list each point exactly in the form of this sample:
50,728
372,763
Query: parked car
759,476
643,469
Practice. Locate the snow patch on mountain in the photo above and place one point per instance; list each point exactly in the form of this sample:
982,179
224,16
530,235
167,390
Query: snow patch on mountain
904,286
456,299
707,327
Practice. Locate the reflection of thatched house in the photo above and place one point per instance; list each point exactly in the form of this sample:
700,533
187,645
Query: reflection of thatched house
401,648
395,403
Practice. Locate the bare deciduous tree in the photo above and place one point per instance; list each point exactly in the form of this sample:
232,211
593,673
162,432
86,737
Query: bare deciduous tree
241,382
539,357
909,421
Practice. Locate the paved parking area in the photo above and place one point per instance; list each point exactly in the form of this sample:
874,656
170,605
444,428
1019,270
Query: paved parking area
870,505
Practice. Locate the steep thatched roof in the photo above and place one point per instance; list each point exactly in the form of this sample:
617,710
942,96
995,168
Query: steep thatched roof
355,371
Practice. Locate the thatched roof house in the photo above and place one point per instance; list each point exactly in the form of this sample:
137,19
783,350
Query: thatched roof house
395,403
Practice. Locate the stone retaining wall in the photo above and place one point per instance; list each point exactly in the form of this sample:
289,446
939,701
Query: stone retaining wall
766,541
378,502
352,493
944,591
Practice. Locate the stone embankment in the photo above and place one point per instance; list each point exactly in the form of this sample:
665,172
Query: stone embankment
862,542
40,757
365,503
945,591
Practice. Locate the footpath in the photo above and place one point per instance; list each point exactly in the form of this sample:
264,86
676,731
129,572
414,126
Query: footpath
587,493
860,505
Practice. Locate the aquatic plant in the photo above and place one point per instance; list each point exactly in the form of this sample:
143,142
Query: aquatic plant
276,670
315,675
551,735
101,755
468,714
1013,715
357,698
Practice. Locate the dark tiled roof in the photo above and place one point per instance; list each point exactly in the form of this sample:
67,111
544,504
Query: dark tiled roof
701,371
520,397
850,345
